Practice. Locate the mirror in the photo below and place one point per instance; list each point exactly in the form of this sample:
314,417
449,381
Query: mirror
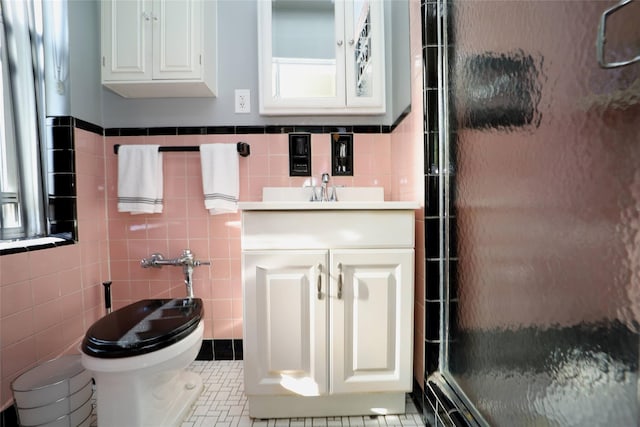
303,49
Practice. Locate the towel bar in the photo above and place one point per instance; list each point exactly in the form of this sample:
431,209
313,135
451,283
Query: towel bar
244,149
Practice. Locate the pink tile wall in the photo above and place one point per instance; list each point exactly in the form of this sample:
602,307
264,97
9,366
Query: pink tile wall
185,223
407,166
49,297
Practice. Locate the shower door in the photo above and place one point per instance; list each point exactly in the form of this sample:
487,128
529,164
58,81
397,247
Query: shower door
543,294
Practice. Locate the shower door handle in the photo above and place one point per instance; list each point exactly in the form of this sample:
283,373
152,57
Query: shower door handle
601,40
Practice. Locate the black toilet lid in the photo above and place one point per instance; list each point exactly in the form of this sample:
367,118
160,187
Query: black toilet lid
142,327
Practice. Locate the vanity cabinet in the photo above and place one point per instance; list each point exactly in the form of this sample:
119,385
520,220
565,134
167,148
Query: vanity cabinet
159,48
321,57
328,314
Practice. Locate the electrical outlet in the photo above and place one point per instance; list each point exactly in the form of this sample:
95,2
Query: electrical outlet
243,101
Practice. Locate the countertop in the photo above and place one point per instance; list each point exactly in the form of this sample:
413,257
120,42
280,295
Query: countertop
326,206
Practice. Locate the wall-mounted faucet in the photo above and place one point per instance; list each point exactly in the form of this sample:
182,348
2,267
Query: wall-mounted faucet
186,260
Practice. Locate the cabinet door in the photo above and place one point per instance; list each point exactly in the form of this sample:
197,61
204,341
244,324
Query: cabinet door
365,71
301,55
285,318
177,39
126,40
371,325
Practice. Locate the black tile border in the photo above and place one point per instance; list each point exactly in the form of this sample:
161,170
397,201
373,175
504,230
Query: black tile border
191,131
433,179
206,350
223,349
31,248
9,417
221,130
255,130
220,349
417,396
162,131
89,127
238,352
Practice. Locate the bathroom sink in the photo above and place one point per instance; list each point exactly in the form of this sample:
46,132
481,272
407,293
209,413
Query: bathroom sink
303,194
349,198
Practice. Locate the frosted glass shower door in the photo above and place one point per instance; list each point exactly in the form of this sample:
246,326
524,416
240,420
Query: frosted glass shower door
545,312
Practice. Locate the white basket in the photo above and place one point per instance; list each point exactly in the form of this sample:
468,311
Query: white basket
52,392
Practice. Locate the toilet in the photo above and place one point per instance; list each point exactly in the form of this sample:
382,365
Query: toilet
138,355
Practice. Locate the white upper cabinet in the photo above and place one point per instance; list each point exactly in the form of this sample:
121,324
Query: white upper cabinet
159,48
321,57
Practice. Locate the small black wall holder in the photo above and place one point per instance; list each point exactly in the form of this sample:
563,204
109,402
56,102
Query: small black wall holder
342,154
299,154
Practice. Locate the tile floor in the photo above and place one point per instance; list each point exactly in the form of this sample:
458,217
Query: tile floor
223,404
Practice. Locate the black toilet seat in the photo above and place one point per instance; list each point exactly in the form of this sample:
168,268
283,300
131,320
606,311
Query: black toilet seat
142,327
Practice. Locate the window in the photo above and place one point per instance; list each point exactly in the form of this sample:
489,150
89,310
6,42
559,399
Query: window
22,196
10,221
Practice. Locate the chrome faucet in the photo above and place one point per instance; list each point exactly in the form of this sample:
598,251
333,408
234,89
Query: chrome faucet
324,195
325,181
186,260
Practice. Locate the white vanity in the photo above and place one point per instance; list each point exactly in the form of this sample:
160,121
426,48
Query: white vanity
328,305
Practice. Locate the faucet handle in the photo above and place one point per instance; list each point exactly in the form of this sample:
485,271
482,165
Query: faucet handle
152,261
314,194
333,197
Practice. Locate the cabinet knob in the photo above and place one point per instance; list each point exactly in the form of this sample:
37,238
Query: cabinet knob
146,16
340,42
351,42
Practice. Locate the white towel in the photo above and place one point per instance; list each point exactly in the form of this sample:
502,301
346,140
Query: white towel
220,177
140,179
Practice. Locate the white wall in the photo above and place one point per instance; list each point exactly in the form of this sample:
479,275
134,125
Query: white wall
84,61
237,68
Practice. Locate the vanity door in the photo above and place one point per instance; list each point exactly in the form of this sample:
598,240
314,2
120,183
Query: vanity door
285,322
371,320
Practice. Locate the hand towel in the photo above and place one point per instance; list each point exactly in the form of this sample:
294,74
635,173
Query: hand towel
140,179
220,177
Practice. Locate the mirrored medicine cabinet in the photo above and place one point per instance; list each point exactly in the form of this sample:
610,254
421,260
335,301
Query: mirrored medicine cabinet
321,57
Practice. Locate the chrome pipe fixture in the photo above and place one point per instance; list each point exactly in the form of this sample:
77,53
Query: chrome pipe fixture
186,260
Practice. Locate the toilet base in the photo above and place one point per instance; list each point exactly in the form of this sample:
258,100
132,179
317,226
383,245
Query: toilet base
184,393
166,406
